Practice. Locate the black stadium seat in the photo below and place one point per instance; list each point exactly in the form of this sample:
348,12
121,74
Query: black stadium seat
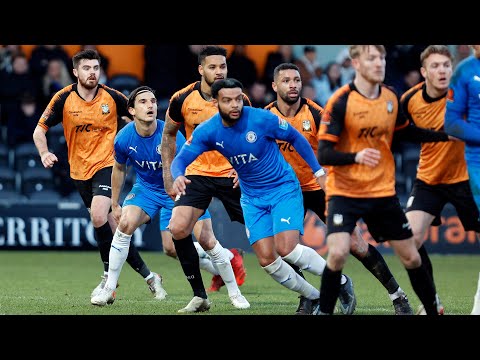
26,156
36,179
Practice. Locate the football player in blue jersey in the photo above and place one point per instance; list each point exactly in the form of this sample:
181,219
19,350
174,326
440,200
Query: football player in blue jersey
462,120
138,144
271,195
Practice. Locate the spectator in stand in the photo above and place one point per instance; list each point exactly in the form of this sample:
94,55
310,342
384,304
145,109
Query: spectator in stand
346,69
22,120
13,85
40,57
461,52
6,55
241,67
55,79
258,94
308,64
328,83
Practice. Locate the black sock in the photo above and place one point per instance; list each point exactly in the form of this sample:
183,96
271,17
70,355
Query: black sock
136,262
427,263
329,290
188,257
104,236
423,287
375,263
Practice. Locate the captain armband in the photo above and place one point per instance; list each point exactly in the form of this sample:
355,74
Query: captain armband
319,173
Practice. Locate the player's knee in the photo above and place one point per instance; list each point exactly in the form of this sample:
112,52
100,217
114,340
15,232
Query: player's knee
410,259
179,230
125,226
337,258
98,219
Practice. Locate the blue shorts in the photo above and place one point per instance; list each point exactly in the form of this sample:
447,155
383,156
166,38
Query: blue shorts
153,201
474,175
278,210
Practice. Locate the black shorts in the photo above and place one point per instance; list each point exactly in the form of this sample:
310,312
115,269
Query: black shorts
202,189
432,199
383,216
99,184
315,201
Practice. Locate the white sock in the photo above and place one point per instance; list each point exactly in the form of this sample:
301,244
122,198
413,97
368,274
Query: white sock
117,257
306,259
478,286
222,263
229,254
396,294
205,261
284,274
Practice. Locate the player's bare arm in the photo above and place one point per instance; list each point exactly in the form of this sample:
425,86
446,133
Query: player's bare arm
40,139
119,172
168,150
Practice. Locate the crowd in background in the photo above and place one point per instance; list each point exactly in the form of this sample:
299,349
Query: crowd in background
27,83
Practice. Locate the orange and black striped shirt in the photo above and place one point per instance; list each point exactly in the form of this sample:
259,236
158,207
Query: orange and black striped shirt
307,122
440,162
354,122
188,106
89,127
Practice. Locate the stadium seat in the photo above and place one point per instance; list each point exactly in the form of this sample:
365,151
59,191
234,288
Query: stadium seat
124,83
4,155
410,157
8,197
36,180
8,179
45,196
26,156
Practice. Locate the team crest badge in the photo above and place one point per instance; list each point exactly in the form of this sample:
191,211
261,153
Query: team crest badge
158,149
105,109
283,124
130,196
251,137
389,106
337,219
306,125
450,95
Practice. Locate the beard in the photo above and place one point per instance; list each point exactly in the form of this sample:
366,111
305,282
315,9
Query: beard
289,100
227,118
88,84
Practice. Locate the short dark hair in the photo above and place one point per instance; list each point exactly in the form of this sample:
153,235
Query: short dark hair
85,55
210,50
284,66
135,92
228,83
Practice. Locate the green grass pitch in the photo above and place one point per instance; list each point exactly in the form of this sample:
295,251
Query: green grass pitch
60,283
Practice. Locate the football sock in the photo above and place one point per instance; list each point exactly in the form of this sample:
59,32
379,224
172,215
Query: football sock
329,290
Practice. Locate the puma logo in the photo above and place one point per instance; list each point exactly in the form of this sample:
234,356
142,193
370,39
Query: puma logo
133,148
286,220
219,144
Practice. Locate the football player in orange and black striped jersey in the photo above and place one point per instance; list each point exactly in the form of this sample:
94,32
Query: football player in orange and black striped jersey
209,175
304,114
442,174
355,135
91,114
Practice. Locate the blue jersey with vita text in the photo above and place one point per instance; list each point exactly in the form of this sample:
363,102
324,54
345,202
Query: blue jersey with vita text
143,153
250,146
462,115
